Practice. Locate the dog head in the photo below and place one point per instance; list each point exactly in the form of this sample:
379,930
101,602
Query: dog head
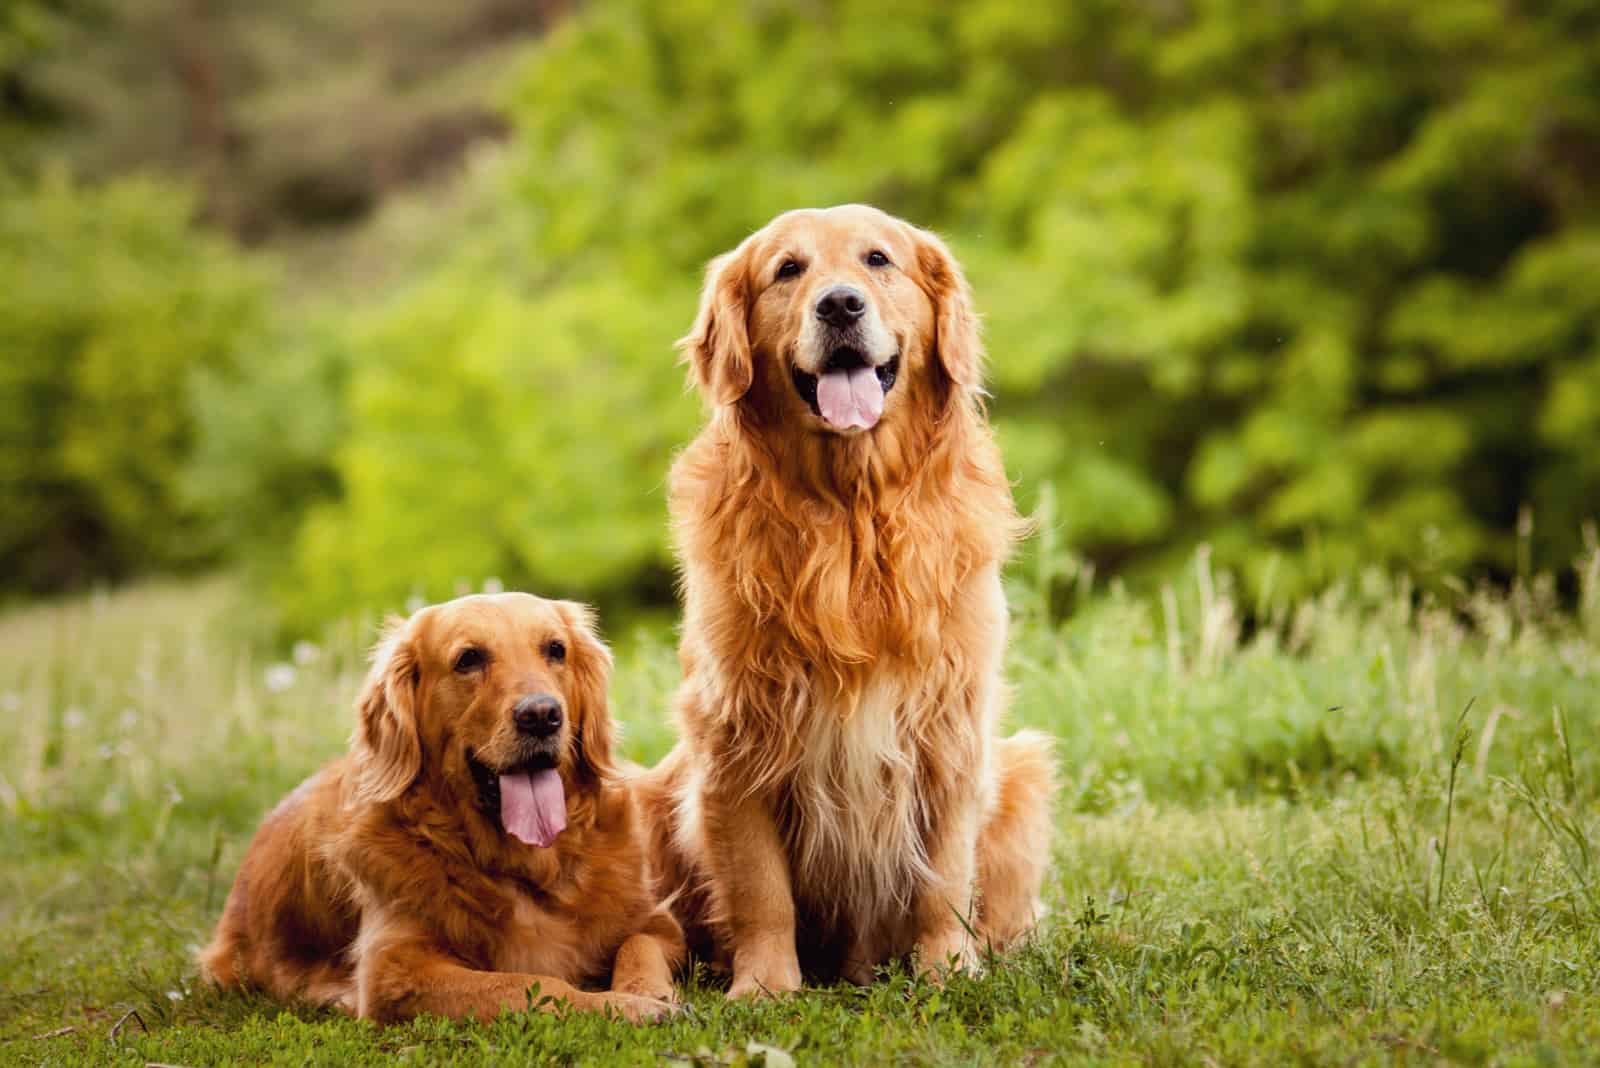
835,318
503,697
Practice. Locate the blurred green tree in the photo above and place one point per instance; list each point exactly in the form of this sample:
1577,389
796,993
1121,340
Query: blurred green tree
111,302
499,433
1311,282
30,30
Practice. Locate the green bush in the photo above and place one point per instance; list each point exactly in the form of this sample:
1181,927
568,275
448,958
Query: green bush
30,30
499,433
112,302
1312,283
266,430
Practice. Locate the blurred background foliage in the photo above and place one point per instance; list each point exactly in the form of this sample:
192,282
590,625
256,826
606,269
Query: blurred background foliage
1312,283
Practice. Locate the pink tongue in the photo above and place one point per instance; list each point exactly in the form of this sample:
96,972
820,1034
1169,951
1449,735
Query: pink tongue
533,807
850,398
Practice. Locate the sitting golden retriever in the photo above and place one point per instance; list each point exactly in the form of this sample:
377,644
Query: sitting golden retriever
840,797
474,842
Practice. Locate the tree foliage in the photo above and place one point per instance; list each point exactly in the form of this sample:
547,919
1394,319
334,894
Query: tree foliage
498,432
112,302
1311,282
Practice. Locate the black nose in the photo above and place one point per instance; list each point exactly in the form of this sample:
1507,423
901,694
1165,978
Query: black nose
538,714
841,305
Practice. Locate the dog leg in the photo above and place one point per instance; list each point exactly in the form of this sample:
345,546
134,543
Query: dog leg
943,912
1014,847
754,897
647,960
401,975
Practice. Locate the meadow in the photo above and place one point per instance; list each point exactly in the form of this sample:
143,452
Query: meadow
313,307
1358,829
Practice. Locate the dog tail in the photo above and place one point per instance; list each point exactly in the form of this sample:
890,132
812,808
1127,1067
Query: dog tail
1014,845
218,961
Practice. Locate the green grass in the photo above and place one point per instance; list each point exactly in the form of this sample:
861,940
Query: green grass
1365,835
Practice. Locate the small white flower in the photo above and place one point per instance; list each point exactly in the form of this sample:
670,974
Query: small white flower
278,677
492,584
73,718
129,719
10,702
173,995
173,796
306,653
106,751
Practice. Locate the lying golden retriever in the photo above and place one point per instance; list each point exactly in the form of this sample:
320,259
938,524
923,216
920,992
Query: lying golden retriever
472,844
840,797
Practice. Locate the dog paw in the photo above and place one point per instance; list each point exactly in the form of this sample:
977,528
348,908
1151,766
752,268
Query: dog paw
940,956
771,980
652,991
638,1010
765,972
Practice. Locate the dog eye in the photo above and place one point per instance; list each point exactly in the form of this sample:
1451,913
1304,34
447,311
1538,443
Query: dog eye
877,259
790,269
555,650
470,659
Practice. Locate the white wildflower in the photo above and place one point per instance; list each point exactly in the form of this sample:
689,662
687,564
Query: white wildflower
278,677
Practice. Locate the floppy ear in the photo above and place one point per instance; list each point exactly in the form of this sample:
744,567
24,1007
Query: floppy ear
590,663
386,747
717,348
955,322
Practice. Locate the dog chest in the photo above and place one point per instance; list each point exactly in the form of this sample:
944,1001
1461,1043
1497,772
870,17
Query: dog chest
850,811
541,940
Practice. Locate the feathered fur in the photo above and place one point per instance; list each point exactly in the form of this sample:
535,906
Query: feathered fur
839,789
384,886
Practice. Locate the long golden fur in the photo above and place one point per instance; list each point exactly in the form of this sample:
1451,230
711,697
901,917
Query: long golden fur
386,884
840,796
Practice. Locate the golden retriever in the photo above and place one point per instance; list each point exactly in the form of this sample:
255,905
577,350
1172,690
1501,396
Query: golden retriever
475,841
839,797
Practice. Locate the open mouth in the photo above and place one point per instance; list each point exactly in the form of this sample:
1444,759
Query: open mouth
848,392
527,800
488,780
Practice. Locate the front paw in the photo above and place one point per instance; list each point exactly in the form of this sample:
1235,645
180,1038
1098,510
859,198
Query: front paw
766,975
654,989
636,1009
941,954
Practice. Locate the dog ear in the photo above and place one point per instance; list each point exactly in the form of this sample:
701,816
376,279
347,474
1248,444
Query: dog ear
955,322
387,747
590,663
717,348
